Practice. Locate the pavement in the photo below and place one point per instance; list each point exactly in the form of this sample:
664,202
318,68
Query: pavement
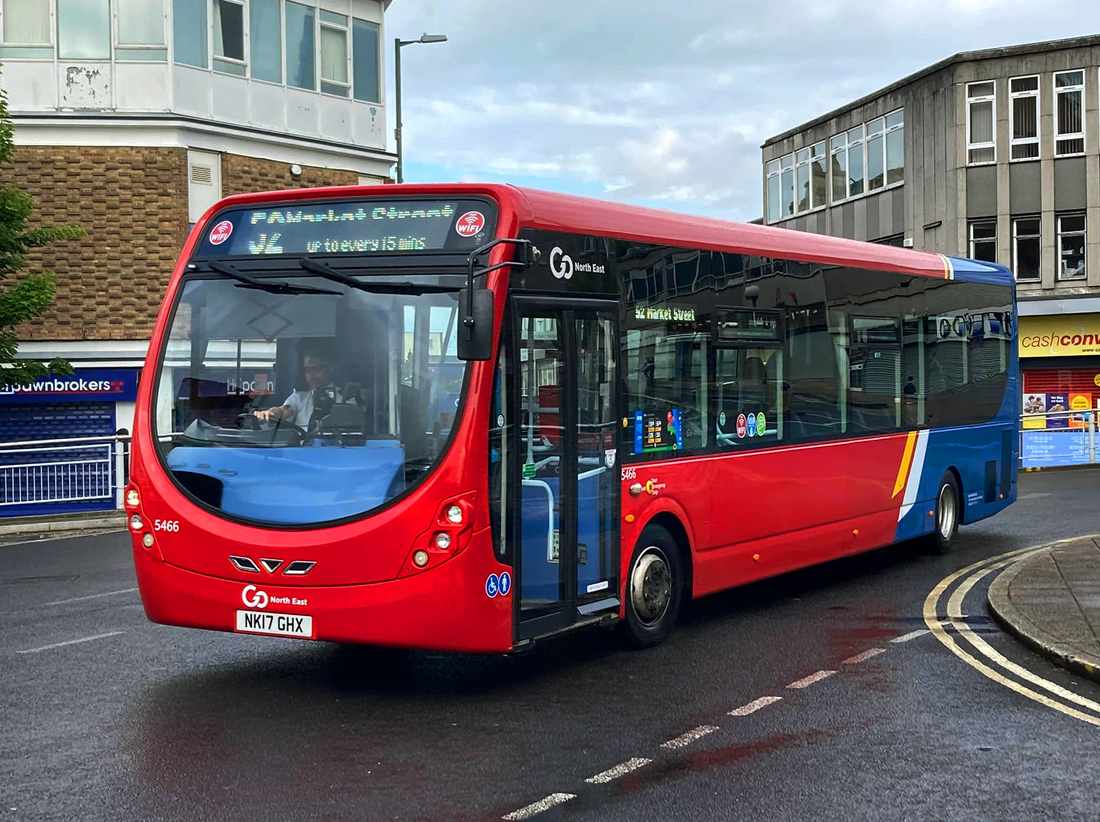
1050,600
18,529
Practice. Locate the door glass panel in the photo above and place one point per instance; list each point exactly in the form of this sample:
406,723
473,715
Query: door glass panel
541,379
596,456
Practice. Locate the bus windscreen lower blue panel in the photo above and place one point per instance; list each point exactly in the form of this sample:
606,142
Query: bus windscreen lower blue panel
298,485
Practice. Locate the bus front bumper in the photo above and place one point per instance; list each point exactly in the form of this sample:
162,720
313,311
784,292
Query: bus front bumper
445,608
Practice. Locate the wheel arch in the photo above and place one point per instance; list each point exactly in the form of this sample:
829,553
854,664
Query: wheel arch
961,501
671,523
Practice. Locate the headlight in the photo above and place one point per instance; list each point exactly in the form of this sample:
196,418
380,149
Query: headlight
454,514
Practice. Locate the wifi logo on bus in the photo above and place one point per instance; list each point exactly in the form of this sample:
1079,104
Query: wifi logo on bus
220,233
470,224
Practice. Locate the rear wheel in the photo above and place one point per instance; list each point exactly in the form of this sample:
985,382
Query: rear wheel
654,587
947,513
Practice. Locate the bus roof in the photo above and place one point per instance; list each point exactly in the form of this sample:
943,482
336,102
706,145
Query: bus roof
569,213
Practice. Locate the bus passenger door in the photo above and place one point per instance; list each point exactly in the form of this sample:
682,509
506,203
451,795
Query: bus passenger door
565,470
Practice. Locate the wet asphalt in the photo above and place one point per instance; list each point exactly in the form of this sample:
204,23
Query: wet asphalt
153,723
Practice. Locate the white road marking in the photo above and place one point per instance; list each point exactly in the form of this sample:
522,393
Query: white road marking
811,679
684,740
755,705
92,596
619,770
552,801
858,658
911,635
69,642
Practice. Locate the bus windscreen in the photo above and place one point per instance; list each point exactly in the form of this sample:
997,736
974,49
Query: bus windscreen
350,227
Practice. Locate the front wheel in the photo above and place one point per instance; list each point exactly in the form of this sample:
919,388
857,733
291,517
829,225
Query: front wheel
946,514
654,588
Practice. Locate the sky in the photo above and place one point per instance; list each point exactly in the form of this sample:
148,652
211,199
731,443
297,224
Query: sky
665,103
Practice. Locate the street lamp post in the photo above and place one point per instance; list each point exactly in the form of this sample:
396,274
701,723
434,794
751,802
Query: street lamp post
397,44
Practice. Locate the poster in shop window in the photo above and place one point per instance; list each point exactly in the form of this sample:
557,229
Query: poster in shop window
1035,406
1057,406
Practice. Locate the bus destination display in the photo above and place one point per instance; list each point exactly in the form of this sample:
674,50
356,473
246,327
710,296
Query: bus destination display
364,227
749,325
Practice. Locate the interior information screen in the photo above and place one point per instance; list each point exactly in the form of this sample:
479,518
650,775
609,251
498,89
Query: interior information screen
359,227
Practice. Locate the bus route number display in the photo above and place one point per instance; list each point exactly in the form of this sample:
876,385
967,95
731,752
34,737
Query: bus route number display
658,432
359,227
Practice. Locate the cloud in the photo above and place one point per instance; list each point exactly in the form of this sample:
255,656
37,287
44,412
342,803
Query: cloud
648,102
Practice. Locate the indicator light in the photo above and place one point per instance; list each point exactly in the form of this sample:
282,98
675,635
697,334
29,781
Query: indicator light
454,514
442,541
420,558
135,522
132,498
147,540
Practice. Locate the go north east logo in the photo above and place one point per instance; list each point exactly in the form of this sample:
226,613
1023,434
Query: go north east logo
563,267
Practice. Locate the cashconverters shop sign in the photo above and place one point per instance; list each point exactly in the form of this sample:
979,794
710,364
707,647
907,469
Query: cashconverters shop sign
102,384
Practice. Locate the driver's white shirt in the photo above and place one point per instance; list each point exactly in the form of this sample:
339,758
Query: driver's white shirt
302,403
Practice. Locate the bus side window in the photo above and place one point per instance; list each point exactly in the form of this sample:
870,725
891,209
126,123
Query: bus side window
749,384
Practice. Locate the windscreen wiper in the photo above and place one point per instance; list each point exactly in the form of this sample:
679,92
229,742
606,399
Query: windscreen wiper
372,288
270,286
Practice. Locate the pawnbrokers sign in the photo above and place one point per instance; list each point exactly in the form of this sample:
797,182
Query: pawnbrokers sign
111,384
1064,335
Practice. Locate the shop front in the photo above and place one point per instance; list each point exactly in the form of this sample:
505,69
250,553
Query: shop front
76,475
1060,362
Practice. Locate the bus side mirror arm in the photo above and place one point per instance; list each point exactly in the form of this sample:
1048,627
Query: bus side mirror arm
475,304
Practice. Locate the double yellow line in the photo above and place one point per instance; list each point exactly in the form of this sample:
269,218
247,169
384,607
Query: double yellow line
1056,697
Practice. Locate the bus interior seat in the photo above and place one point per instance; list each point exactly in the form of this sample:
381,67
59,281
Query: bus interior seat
413,405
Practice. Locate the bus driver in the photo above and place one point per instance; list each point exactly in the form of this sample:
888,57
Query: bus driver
300,405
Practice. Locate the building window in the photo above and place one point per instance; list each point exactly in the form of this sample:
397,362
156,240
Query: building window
334,54
802,180
817,176
300,48
840,167
1024,115
265,36
981,108
229,37
1069,121
27,32
364,54
983,241
83,30
895,147
140,22
1071,246
855,161
775,213
189,32
1026,247
786,179
876,154
848,165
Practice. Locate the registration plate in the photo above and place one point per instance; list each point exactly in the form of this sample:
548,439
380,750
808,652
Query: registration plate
262,622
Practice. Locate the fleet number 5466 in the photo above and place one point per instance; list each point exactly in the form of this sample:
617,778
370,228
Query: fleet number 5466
166,525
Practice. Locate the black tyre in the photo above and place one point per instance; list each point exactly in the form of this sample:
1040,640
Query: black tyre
947,514
654,587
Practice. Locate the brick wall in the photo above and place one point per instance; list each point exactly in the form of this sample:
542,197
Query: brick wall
133,204
247,175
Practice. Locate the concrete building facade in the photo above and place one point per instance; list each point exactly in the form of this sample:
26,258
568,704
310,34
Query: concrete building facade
991,154
132,118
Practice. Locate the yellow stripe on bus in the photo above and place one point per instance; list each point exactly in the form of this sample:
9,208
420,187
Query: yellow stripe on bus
948,269
906,459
